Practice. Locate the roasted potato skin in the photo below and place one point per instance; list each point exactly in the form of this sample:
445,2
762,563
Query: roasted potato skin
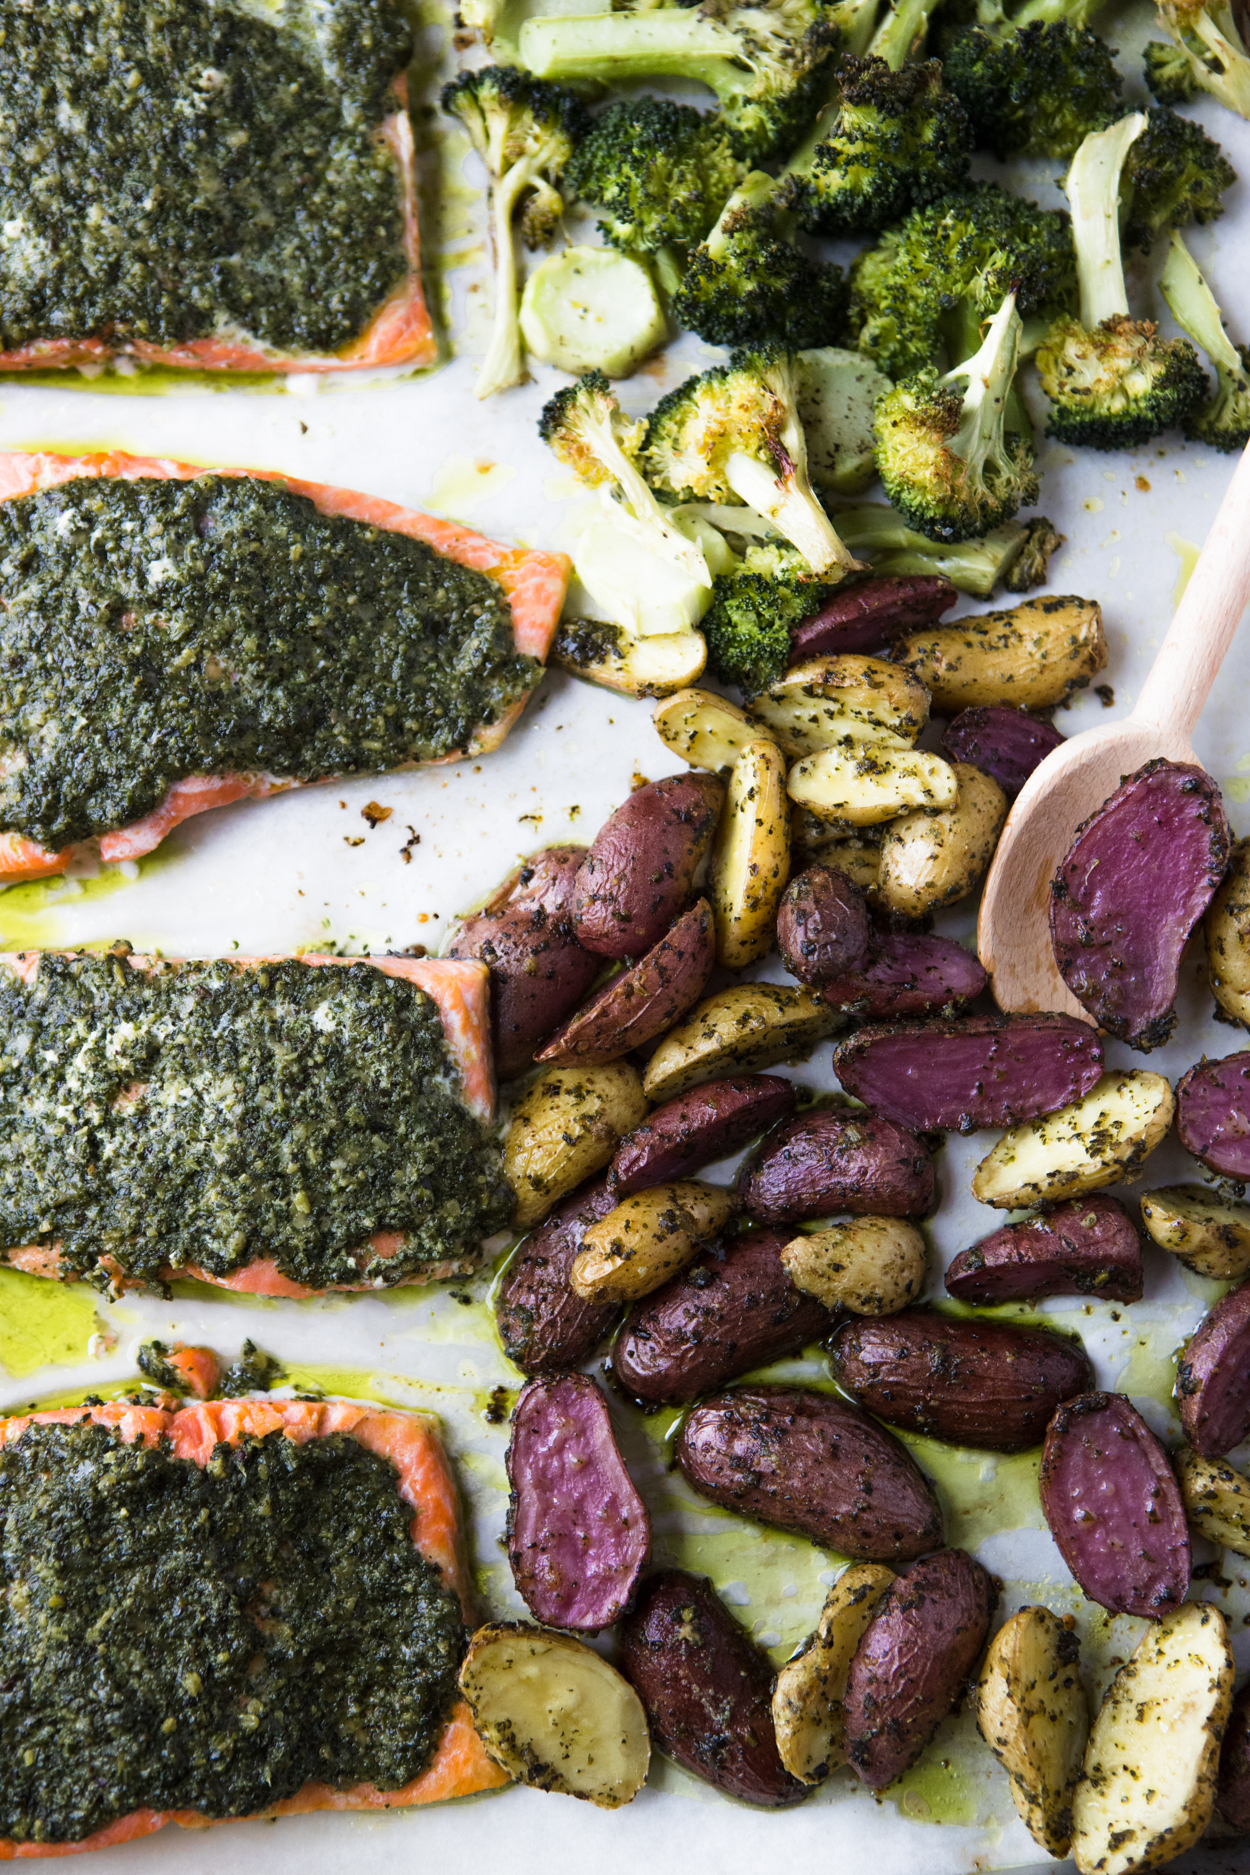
1086,1247
934,856
914,1662
695,1129
638,876
908,973
705,729
644,1000
750,861
1233,1792
823,699
1031,1713
1007,744
705,1687
985,1384
647,1238
871,1266
870,616
1030,657
822,926
567,1126
733,1309
1228,938
1210,1235
1211,1105
748,1026
803,1461
1213,1381
807,1700
837,1159
545,1326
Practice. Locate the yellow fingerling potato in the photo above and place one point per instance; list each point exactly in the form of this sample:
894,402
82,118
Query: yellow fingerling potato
808,1714
1096,1141
648,1237
633,667
1227,927
751,858
872,1266
1217,1500
744,1028
817,703
865,782
704,729
1210,1234
568,1125
1031,1713
936,856
1030,657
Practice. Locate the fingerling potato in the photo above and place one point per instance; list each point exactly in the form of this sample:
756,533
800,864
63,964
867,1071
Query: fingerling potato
872,1266
865,782
644,999
908,973
639,873
837,1159
1031,1713
1233,1791
1210,1234
856,855
568,1125
543,1323
1086,1247
555,1714
808,1715
705,729
1007,744
1212,1112
1029,657
818,703
648,1238
1228,937
749,1026
870,616
750,861
712,1122
823,931
634,667
1103,1138
936,855
1213,1381
1217,1500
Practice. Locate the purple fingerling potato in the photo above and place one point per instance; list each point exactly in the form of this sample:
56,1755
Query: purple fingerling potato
908,974
639,874
1114,1507
1138,877
1086,1247
578,1533
913,1662
706,1689
695,1129
1232,1797
733,1309
1213,1382
1213,1114
837,1159
972,1072
1005,744
868,617
544,1324
643,1000
822,926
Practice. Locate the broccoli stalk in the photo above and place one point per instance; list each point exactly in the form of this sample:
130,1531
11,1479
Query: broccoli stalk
747,285
1223,422
1206,54
901,34
1113,382
1014,554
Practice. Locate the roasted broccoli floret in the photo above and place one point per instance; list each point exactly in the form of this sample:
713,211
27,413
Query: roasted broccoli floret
1112,381
1035,91
765,63
661,172
748,285
1169,72
525,132
1177,175
1224,420
1204,36
919,296
754,609
888,142
1013,555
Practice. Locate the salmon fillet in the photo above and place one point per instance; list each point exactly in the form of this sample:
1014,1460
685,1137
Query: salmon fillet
460,1767
461,992
533,581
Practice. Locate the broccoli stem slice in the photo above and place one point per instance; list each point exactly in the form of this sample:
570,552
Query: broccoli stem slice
1219,62
988,376
504,363
856,21
791,507
903,26
669,42
637,511
1093,189
1194,308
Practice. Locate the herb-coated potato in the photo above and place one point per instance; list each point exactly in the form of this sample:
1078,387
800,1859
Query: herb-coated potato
749,1026
1212,1102
1086,1247
1029,657
1096,1141
554,1714
1031,1713
751,856
808,1715
1217,1500
634,667
872,1266
1213,1381
935,856
837,1159
569,1124
644,999
853,852
648,1238
639,873
1007,744
1232,1795
711,1122
865,782
543,1323
1228,937
822,926
871,615
908,973
817,704
705,729
1210,1234
1153,1754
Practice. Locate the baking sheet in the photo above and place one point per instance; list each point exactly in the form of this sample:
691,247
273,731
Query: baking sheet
308,871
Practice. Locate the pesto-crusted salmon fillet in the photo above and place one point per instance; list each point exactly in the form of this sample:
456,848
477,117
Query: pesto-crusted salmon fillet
210,184
235,1608
277,1126
173,639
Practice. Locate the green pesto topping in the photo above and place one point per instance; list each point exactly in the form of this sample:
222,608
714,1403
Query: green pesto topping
155,630
210,1115
174,170
209,1638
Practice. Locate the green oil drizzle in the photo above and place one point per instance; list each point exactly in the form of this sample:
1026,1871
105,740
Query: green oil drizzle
940,1788
1150,1370
31,915
43,1323
982,1493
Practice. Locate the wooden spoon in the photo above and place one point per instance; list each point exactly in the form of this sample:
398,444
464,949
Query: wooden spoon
1013,929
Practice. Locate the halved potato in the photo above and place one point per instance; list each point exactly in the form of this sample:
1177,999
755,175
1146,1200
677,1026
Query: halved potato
706,730
865,782
751,858
858,857
1210,1234
819,702
1029,657
568,1125
647,1238
872,1266
1094,1142
749,1026
1031,1713
635,667
1227,926
808,1714
554,1714
936,856
1150,1767
1217,1499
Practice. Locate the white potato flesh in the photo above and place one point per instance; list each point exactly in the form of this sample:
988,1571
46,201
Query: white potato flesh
808,1714
1031,1713
816,704
1150,1767
568,1125
556,1715
639,667
1217,1500
744,1028
704,729
1094,1142
1210,1234
750,862
865,782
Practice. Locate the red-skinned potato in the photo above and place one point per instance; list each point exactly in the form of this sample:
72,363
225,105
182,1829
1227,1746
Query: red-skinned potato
913,1663
693,1130
1113,1506
578,1533
544,1324
1233,1791
870,616
639,874
803,1461
706,1689
1137,879
644,1000
733,1309
1006,744
837,1159
986,1384
973,1072
908,974
1213,1383
1086,1247
1213,1115
822,926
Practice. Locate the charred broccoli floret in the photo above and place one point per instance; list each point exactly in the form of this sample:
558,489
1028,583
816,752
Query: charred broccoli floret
1035,91
661,172
766,63
919,296
748,285
1177,175
525,132
1112,381
888,142
1169,72
753,612
1223,421
733,433
1206,41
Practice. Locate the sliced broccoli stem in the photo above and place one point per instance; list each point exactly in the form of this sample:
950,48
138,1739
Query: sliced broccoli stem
899,33
671,42
504,363
979,439
1219,61
754,191
1194,308
1076,13
856,21
975,566
1093,188
792,508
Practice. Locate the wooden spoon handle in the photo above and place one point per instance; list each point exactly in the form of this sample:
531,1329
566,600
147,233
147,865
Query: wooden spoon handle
1204,622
